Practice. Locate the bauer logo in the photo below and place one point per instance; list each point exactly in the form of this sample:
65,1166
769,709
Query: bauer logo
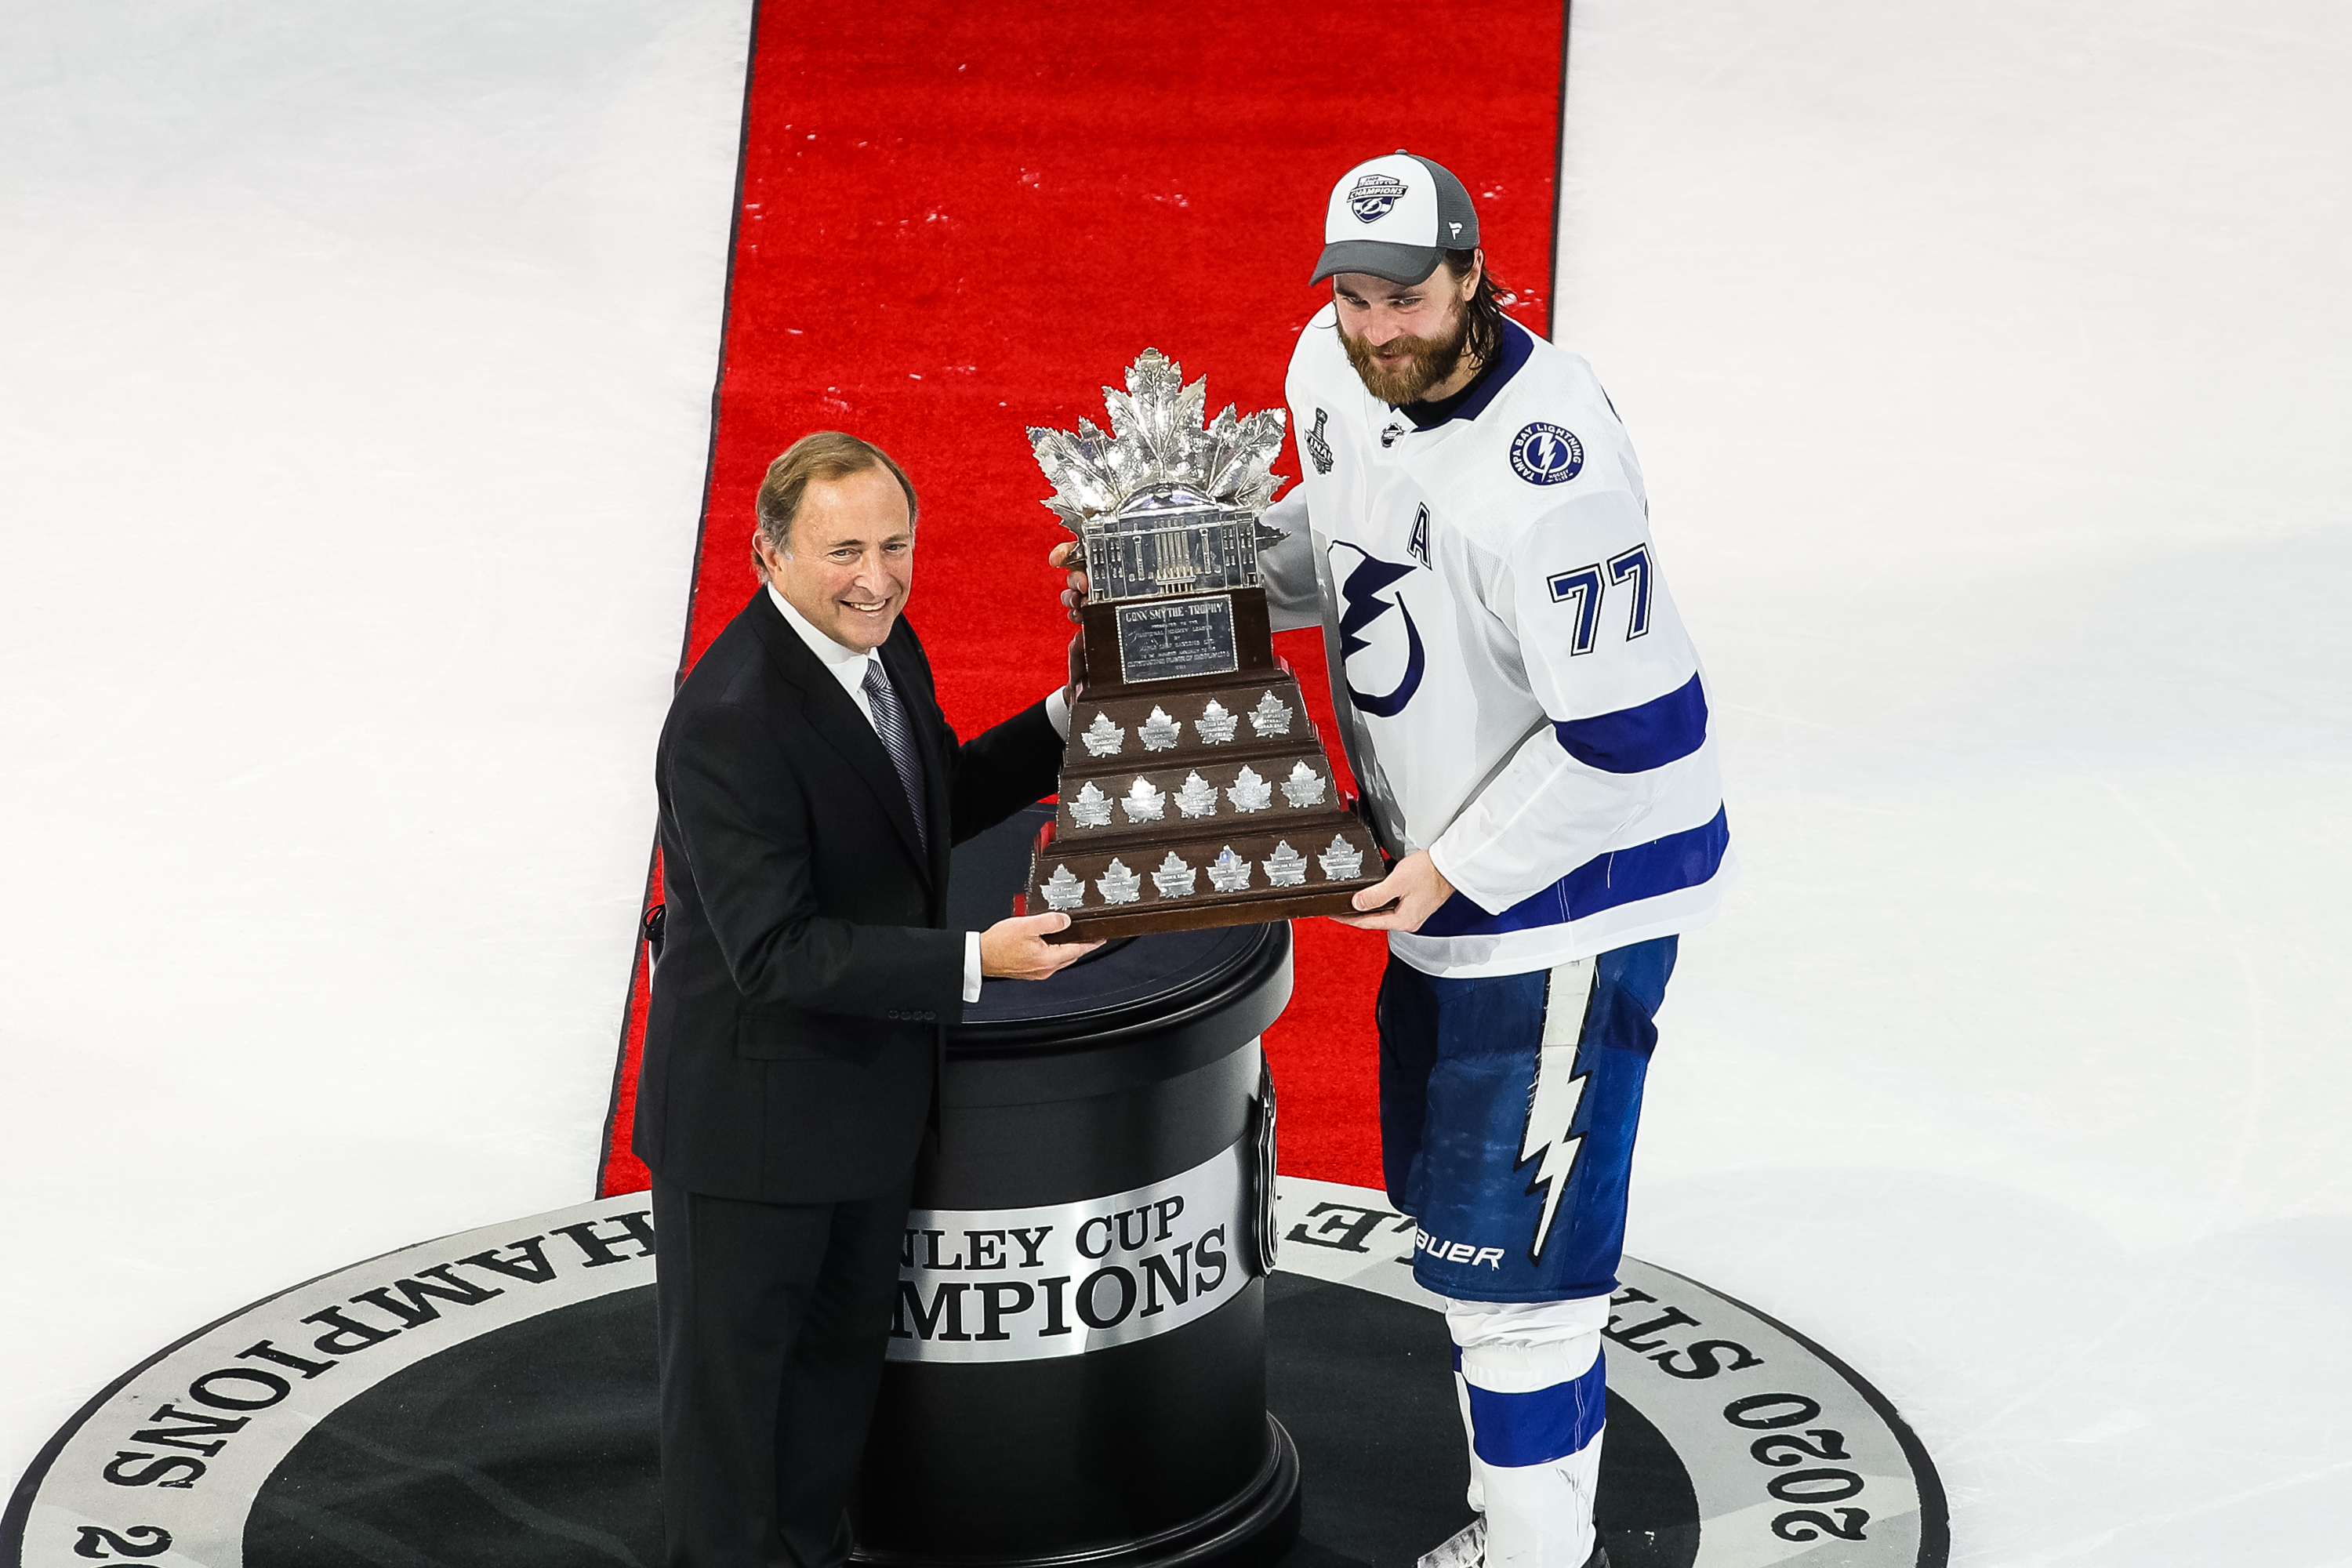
1547,454
1373,196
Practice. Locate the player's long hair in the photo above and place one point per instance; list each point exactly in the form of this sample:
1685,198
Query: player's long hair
1485,308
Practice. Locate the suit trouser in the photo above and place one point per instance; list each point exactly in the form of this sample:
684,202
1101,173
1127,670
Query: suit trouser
772,1322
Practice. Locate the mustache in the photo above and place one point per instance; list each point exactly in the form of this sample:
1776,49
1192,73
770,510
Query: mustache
1411,348
1420,362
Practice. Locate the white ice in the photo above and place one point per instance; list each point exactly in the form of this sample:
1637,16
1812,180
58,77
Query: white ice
355,366
1989,369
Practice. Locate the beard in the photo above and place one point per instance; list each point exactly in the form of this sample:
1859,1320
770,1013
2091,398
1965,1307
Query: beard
1426,363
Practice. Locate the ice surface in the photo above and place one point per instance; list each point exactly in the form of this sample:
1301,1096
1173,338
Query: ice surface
331,336
1989,367
1991,370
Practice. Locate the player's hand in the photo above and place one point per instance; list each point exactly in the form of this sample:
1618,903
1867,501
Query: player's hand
1065,557
1415,885
1077,670
1017,949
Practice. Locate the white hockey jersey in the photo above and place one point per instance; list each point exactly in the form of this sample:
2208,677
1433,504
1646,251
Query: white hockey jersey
1515,688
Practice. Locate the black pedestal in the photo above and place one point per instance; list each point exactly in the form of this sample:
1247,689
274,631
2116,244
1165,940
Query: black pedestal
1079,1368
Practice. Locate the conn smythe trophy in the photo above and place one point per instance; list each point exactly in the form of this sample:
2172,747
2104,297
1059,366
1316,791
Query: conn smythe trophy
1196,791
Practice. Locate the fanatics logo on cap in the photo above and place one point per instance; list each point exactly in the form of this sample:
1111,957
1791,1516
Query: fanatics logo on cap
1547,454
1373,196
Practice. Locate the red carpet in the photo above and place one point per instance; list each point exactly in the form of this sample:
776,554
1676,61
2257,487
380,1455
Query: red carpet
957,222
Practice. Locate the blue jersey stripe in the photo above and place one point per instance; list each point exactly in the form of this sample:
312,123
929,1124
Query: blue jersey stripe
1518,1429
1666,865
1635,740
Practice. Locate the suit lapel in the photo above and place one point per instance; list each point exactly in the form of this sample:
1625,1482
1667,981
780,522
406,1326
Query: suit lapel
835,718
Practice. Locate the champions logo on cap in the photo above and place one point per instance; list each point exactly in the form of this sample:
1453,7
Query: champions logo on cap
1395,217
1374,196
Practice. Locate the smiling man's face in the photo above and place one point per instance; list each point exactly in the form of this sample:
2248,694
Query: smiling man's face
1406,340
850,561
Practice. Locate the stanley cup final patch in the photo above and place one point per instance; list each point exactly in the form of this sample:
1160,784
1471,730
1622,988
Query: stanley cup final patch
1545,454
1319,446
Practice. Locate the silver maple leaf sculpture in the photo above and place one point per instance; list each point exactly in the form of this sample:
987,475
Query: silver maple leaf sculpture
1160,454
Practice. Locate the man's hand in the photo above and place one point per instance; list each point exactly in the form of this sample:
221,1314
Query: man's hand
1065,557
1413,884
1017,949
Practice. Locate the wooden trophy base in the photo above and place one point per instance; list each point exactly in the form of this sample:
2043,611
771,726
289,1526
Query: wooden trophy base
1197,799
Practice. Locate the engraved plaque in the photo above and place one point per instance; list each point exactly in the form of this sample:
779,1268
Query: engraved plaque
1170,639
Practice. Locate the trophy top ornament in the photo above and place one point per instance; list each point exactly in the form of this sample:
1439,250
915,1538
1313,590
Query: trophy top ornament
1163,473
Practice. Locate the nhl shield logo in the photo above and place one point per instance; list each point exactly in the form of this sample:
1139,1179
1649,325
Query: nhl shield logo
1373,196
1547,454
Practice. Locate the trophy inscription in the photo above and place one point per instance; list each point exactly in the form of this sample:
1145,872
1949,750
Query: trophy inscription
1167,640
1194,792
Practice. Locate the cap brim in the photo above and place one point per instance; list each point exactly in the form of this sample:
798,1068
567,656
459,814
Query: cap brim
1397,263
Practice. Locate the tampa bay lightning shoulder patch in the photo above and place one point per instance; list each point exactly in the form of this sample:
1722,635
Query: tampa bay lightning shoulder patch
1547,454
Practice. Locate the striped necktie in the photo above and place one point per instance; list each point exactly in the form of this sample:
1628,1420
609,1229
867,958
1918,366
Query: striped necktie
890,724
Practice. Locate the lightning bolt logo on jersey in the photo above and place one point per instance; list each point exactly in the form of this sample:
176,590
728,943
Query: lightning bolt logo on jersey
1361,607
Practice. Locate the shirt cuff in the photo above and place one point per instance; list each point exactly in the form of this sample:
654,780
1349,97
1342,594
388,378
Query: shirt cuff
1057,712
972,966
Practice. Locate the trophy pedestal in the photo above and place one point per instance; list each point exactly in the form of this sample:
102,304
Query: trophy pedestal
1077,1368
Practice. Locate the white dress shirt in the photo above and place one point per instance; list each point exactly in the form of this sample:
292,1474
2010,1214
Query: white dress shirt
848,666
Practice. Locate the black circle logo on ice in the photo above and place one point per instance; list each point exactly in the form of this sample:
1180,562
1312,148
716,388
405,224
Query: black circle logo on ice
1731,1437
495,1392
1547,453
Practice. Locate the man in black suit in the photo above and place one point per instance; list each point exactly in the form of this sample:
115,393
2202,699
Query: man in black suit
810,791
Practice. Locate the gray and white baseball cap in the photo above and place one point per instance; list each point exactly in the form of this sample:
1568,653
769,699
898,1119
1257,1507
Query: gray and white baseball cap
1392,216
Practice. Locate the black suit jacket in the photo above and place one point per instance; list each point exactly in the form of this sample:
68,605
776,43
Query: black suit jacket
800,1005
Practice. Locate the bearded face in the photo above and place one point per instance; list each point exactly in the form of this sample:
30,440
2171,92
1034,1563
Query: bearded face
1403,369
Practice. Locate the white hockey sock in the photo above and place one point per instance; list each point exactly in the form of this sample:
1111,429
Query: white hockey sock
1529,1379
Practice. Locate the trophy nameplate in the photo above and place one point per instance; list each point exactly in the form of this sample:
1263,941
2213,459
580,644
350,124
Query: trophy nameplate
1168,639
1195,791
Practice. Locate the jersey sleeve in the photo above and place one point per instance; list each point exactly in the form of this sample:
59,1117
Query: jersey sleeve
1292,599
1623,757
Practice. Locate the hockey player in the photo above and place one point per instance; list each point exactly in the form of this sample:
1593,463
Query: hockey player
1526,716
